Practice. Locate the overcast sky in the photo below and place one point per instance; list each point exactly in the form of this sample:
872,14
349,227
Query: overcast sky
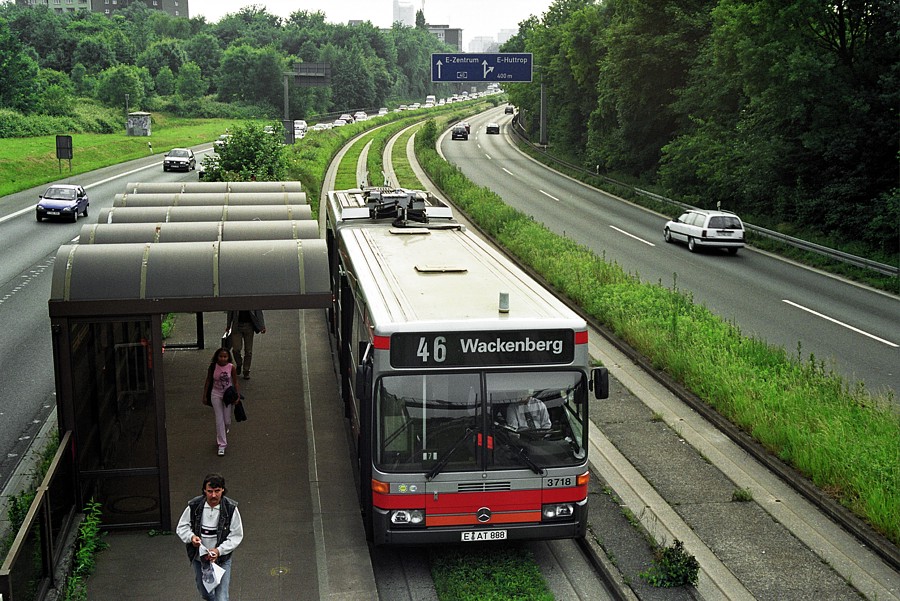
474,17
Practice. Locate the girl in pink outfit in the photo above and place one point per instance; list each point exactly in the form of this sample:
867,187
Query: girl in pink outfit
221,375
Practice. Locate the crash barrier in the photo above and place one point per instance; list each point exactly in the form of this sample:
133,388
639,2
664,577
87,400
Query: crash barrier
31,566
883,268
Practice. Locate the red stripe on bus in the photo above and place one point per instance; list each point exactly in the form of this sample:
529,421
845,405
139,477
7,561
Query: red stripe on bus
471,520
382,343
581,337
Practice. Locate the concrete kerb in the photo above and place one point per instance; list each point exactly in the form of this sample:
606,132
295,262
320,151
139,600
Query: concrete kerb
27,474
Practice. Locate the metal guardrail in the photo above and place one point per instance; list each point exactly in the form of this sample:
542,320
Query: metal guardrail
28,572
889,270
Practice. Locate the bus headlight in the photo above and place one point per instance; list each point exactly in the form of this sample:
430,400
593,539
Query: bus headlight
558,511
408,517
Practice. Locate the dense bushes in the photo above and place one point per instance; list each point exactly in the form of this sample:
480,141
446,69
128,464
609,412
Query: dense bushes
87,118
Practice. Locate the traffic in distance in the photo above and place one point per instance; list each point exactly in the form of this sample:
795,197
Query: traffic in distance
469,413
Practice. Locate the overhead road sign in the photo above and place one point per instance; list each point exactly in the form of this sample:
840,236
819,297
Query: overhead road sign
496,66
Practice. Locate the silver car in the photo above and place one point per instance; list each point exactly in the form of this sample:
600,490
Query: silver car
706,229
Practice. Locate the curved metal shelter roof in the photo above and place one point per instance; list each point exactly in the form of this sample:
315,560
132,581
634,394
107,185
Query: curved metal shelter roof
193,199
198,231
204,213
129,279
163,187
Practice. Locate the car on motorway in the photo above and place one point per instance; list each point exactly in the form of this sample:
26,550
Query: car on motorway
180,159
459,132
492,128
382,111
346,118
509,110
700,228
63,200
222,140
339,122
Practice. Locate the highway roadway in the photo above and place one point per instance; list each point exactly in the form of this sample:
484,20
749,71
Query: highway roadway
852,329
27,389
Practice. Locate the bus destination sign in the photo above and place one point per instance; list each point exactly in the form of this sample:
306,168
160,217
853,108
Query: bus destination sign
481,349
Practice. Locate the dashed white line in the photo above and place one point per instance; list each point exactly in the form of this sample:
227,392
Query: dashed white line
621,231
840,323
508,171
549,195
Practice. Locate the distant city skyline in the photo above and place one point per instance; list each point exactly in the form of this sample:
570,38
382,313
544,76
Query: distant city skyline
477,18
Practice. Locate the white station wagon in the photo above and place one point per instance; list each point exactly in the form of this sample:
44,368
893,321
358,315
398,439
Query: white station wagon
706,229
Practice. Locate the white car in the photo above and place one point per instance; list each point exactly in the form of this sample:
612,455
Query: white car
382,111
706,229
222,140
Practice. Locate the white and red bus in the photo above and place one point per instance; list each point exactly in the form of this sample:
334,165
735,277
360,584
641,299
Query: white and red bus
466,382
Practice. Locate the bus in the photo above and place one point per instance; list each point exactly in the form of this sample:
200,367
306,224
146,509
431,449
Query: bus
466,383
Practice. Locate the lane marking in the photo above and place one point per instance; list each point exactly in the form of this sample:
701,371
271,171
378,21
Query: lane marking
488,156
88,186
508,171
840,323
621,231
549,195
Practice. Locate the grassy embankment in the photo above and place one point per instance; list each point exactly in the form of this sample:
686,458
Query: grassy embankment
29,162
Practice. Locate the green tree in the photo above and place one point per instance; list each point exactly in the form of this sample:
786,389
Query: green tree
190,84
252,75
94,52
203,50
39,27
163,53
117,81
165,82
18,72
250,155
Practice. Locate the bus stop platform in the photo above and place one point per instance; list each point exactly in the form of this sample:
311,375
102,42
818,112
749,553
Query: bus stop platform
288,466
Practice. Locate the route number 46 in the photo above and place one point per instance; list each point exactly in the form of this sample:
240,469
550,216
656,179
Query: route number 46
437,352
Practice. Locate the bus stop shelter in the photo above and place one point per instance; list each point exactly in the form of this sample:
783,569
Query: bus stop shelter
107,305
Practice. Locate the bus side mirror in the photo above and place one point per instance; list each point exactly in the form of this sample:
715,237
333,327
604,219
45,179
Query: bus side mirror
364,372
364,382
600,382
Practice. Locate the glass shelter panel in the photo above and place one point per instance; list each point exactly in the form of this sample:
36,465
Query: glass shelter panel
116,417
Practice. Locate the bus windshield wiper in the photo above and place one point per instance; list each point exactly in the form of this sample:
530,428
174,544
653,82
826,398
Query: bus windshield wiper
521,452
440,465
523,455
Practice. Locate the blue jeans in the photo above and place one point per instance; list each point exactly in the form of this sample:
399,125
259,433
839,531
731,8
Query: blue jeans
220,593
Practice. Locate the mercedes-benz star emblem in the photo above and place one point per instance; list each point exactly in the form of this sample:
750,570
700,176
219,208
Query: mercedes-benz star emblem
483,515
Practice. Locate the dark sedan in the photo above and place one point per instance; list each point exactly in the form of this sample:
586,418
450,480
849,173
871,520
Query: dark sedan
180,159
63,200
492,128
459,132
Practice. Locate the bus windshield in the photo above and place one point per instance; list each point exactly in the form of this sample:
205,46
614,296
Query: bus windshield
455,422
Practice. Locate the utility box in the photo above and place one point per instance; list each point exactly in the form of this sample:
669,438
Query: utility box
138,124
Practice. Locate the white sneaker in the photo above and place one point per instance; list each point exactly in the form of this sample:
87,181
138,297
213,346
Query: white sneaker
221,451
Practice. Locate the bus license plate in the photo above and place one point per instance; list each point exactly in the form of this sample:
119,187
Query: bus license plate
480,535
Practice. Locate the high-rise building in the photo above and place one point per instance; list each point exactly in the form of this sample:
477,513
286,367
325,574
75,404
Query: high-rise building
405,13
176,8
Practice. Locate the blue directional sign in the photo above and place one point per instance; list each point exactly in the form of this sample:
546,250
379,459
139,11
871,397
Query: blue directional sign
500,67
